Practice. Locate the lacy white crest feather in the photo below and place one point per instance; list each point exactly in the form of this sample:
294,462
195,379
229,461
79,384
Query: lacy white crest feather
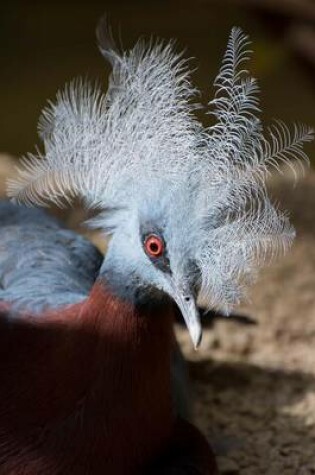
142,135
101,145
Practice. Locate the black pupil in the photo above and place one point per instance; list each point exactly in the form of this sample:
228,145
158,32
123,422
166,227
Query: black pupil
154,247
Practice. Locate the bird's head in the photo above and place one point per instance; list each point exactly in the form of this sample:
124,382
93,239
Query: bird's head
186,206
151,255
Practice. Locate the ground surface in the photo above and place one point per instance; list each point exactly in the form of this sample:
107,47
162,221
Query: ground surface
255,385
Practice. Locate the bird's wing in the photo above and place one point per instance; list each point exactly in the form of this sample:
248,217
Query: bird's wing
42,264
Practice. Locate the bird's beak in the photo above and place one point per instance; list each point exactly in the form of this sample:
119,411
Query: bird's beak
187,305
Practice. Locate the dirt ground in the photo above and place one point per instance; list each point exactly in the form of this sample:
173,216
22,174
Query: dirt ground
254,385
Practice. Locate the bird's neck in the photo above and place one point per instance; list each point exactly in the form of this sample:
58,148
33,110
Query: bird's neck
98,375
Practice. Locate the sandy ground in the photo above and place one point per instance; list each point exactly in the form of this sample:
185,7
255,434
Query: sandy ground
254,385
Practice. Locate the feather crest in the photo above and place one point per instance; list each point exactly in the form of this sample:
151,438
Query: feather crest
142,138
96,143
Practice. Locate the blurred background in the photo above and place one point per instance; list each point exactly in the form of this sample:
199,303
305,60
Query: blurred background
45,44
254,384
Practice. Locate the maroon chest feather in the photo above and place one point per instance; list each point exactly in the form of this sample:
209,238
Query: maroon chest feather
85,390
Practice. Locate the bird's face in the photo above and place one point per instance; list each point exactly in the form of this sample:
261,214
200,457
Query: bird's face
149,258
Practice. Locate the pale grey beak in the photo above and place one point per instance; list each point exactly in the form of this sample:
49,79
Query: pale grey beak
187,305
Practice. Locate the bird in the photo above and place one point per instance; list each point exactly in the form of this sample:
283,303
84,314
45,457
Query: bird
86,342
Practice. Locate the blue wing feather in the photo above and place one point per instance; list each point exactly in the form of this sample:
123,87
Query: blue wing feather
42,264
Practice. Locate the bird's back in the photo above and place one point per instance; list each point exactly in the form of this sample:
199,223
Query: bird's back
42,264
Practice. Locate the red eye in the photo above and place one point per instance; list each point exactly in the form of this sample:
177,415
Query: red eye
154,245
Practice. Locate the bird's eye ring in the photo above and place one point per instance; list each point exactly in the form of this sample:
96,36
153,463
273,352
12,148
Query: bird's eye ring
154,245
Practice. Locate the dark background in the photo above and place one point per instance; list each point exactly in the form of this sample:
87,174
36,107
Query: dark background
45,44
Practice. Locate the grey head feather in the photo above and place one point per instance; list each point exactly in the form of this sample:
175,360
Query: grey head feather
140,149
106,42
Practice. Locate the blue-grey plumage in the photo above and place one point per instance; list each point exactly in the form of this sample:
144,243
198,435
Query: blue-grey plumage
46,356
42,264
